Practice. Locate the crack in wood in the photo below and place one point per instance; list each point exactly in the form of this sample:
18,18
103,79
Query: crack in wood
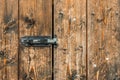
11,26
9,61
117,31
29,21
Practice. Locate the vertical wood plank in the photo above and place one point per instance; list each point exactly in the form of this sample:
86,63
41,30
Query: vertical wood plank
35,20
8,39
104,39
70,28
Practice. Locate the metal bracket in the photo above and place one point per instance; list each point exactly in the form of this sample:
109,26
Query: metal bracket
38,41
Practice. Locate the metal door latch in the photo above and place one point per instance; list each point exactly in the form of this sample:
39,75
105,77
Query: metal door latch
38,41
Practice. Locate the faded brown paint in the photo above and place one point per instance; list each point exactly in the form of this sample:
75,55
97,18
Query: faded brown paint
8,39
70,28
103,40
35,20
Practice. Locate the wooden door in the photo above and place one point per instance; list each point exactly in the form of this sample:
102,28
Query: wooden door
35,19
103,39
8,39
20,18
70,27
88,33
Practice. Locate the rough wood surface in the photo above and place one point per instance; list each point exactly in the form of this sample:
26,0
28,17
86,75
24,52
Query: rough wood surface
8,39
70,28
35,19
104,39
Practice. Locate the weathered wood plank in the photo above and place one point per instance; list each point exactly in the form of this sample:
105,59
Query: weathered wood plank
70,28
8,39
104,39
35,19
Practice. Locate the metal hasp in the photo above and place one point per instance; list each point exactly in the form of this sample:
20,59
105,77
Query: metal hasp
38,41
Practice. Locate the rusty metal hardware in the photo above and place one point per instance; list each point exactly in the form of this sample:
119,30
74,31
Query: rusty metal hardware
38,41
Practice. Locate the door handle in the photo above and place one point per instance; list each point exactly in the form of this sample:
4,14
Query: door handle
38,41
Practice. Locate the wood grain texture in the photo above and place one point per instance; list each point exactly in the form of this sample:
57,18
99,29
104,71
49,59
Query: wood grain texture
104,39
8,39
70,28
35,20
